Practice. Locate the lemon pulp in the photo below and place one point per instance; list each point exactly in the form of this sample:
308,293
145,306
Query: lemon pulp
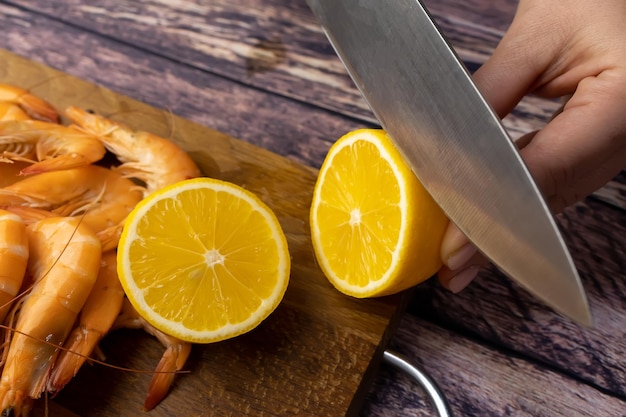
203,260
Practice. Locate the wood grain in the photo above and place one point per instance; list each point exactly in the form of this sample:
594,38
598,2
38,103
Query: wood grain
226,38
274,45
278,368
496,309
278,47
204,98
263,72
481,381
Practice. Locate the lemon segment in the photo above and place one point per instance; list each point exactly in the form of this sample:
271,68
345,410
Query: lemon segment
203,260
375,229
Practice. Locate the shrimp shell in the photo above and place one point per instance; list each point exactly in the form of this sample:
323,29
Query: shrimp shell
10,172
64,262
35,107
174,358
96,318
13,258
11,111
154,160
101,196
54,146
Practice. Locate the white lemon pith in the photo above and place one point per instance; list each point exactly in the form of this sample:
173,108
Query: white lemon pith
203,260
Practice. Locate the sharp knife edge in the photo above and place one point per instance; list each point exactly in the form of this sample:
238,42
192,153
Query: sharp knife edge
426,101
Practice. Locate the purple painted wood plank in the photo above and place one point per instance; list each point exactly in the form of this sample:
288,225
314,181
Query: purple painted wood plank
496,309
290,95
479,381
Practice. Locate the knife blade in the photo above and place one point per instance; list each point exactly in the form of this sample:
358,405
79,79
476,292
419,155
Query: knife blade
425,99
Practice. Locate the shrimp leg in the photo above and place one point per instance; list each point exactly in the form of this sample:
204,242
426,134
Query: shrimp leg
64,262
147,157
55,146
173,359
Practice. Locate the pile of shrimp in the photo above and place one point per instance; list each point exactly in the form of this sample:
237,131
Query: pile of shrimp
61,216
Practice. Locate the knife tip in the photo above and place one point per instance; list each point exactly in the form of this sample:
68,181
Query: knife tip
578,312
584,318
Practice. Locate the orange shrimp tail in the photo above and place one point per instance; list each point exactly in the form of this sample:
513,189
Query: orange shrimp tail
96,318
38,109
79,346
57,163
35,107
172,360
14,403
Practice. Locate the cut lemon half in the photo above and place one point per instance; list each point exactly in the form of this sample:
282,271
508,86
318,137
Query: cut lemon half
375,229
203,260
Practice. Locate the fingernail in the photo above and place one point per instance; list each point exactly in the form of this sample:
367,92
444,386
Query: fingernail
461,256
463,278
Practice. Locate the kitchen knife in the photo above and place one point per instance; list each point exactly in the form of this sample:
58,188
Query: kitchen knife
425,99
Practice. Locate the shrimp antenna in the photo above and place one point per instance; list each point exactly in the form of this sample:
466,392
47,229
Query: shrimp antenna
91,359
45,81
167,113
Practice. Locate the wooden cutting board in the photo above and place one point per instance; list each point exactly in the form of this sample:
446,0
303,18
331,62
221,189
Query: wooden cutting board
314,356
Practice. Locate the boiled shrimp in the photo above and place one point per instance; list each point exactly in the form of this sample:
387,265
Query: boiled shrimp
51,146
155,161
108,237
35,107
173,359
13,259
64,262
103,198
10,172
10,111
96,318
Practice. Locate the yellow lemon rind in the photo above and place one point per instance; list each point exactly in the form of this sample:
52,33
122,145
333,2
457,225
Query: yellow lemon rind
173,328
414,260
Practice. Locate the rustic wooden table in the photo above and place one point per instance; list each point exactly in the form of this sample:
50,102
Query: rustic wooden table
262,71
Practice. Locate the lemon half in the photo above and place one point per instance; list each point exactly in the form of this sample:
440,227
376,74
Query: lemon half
375,229
203,260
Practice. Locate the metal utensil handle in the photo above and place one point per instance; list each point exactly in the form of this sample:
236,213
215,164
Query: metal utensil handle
435,395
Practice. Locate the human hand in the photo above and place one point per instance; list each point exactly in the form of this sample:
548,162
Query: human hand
572,49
